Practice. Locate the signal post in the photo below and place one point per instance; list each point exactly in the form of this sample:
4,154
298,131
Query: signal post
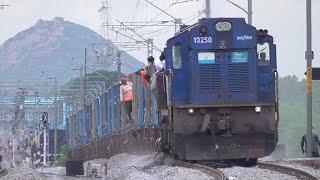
44,120
309,57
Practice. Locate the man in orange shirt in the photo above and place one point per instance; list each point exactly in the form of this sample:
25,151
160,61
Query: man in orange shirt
144,76
126,97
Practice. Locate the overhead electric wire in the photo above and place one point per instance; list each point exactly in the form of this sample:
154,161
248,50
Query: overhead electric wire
160,9
137,4
157,31
126,36
140,36
160,13
123,32
170,29
116,58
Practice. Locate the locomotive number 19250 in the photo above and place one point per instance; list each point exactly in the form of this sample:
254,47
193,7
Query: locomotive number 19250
202,40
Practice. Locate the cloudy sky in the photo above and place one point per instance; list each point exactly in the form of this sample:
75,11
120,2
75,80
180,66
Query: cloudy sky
284,19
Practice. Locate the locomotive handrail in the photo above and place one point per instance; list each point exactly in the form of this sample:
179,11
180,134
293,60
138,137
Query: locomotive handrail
276,75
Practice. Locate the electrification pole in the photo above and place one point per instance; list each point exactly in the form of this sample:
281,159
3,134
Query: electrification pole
309,57
45,120
85,74
45,146
150,47
55,119
177,25
250,12
13,160
81,87
207,10
119,65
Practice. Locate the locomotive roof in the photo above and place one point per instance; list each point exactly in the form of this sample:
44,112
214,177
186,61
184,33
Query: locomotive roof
204,20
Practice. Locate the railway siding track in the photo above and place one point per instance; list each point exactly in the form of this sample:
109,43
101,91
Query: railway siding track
288,170
217,174
3,172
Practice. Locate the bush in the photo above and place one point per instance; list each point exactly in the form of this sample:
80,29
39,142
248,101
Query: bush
63,155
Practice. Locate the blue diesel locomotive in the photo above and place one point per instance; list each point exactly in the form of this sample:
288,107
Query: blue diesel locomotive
217,100
221,92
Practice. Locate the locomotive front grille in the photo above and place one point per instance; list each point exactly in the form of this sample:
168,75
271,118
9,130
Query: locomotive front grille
238,79
210,78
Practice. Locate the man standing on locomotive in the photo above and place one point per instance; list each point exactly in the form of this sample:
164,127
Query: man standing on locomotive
315,143
159,65
126,97
145,77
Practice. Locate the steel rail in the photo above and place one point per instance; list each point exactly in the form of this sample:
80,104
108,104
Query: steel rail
288,170
217,174
3,172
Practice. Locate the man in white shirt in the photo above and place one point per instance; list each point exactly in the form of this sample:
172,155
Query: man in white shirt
158,64
159,68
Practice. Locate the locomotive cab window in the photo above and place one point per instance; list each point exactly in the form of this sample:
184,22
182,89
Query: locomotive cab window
177,56
263,50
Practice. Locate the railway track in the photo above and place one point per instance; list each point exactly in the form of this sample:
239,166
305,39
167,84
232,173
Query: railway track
3,172
217,174
300,174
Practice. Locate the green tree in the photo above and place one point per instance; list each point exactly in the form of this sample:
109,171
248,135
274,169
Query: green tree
63,155
293,105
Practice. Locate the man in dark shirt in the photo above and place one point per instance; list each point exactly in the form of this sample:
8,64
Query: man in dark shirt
314,144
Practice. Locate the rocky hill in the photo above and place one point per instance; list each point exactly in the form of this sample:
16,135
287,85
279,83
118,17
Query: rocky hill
50,46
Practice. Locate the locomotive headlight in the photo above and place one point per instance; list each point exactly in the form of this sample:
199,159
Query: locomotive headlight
190,111
223,26
258,109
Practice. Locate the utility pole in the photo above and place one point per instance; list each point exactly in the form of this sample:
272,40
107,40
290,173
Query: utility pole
45,146
119,64
45,120
150,47
66,112
55,119
13,160
250,12
309,57
177,25
81,88
207,10
13,133
85,75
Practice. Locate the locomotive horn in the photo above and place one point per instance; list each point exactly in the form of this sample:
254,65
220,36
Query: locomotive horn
260,32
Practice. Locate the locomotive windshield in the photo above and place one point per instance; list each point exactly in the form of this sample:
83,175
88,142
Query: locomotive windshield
177,56
263,51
